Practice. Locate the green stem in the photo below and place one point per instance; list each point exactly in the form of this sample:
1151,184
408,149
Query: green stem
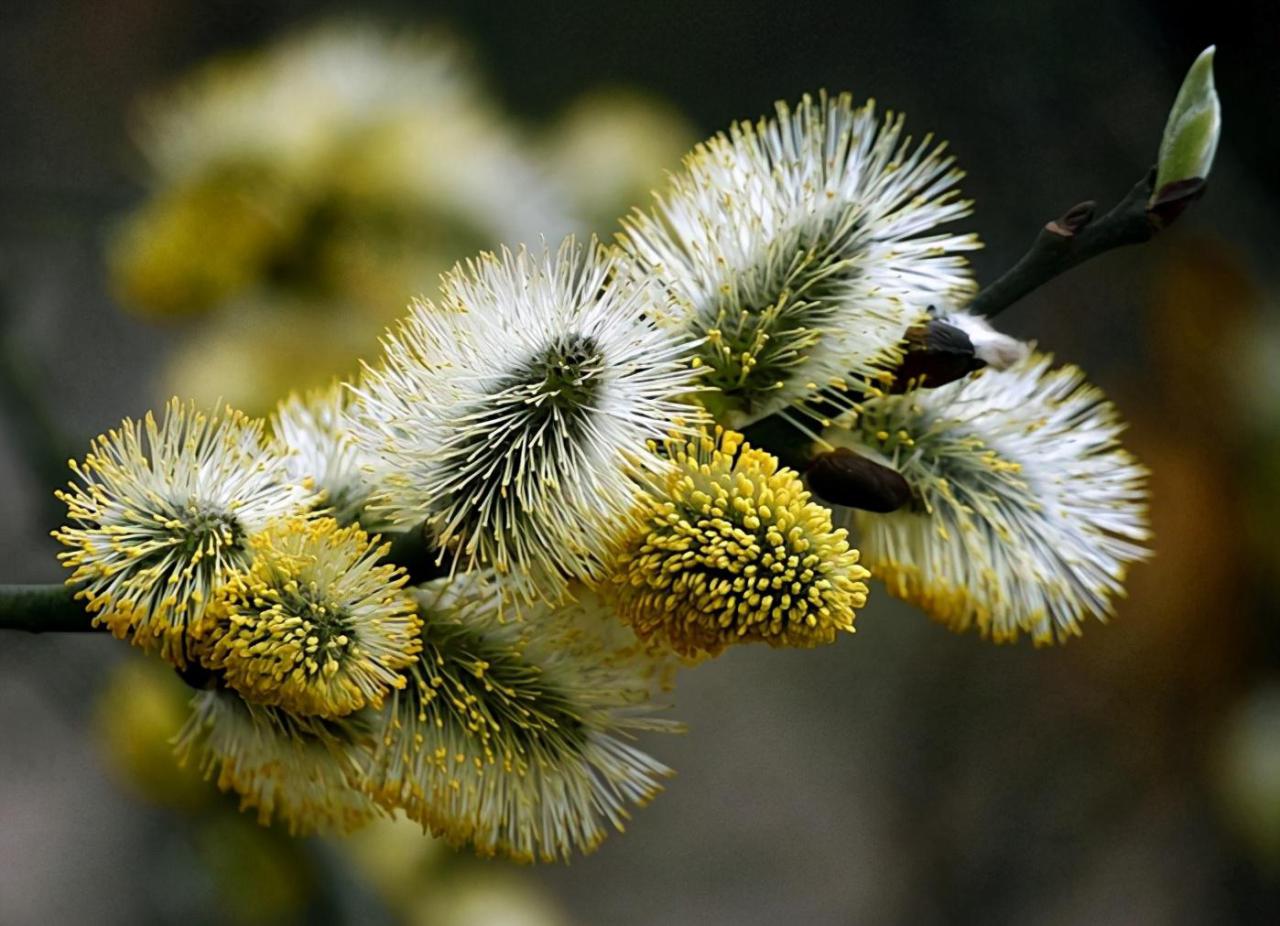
54,608
42,609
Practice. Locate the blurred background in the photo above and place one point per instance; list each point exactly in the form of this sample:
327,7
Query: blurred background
191,201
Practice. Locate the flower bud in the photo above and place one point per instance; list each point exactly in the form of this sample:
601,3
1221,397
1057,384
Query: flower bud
1191,134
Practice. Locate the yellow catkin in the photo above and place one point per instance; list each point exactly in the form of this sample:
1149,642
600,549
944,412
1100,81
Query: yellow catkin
159,514
513,737
314,625
731,550
1028,510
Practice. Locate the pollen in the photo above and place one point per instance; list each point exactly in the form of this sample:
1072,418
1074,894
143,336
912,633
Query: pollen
731,550
314,625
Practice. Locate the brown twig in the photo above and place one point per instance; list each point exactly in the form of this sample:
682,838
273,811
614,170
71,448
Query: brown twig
1076,236
841,477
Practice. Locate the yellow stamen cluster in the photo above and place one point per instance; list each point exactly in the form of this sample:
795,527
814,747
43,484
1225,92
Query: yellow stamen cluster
315,625
731,550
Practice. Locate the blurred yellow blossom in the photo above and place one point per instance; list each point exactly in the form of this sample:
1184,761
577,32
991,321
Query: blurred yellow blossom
137,714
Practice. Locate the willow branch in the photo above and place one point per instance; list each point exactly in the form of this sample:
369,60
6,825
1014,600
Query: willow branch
842,477
1076,236
55,609
42,609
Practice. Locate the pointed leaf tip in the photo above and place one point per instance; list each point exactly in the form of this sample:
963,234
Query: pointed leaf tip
1191,133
